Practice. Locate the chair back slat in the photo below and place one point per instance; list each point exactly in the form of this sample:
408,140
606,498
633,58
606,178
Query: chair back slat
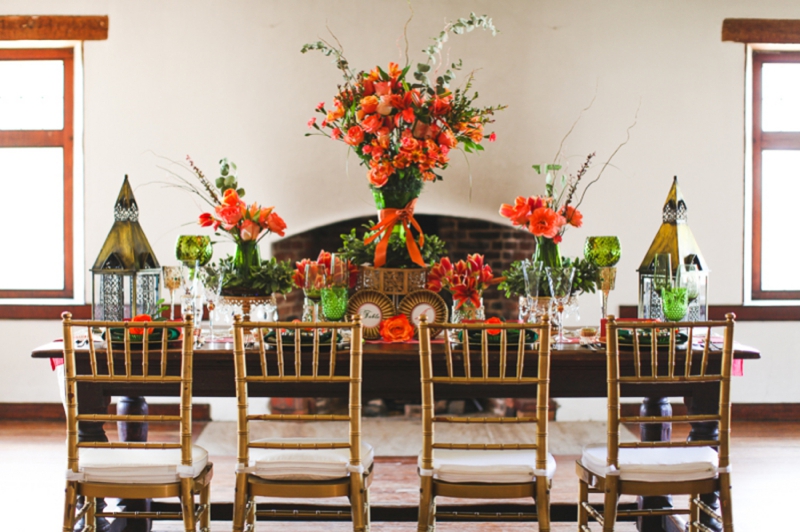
708,364
495,368
91,366
305,345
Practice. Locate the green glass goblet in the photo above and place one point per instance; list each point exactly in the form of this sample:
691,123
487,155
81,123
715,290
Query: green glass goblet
603,252
334,302
193,251
674,302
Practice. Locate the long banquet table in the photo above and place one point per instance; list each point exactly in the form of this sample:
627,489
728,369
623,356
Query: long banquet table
391,371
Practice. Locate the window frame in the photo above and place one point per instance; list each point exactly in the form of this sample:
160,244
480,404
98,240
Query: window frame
63,138
758,142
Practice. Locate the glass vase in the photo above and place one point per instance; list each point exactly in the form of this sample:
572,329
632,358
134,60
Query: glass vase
547,252
466,313
402,187
247,257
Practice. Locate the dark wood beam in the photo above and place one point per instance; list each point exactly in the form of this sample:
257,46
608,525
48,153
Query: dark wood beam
53,28
743,313
761,30
44,312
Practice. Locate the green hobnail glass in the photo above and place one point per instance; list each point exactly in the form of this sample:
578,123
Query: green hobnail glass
602,251
674,302
193,250
334,302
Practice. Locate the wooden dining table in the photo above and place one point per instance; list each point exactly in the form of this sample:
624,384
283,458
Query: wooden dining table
392,371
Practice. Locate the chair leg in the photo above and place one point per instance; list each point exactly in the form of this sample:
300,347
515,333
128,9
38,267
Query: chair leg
205,502
726,502
426,519
610,503
240,502
357,502
367,516
251,513
70,506
90,519
187,504
583,497
543,503
694,512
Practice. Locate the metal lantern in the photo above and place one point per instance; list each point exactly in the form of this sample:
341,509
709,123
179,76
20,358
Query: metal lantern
125,276
675,238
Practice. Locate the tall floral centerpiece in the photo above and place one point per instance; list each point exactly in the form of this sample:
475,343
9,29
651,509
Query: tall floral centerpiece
547,217
403,128
245,224
465,280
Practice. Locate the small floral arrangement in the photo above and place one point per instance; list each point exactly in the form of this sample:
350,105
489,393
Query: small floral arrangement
242,222
324,259
355,250
549,216
396,329
465,280
586,275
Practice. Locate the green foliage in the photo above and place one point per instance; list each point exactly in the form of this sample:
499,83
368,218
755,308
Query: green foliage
586,277
227,179
272,277
161,311
356,251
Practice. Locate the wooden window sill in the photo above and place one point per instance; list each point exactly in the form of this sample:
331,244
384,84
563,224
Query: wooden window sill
743,313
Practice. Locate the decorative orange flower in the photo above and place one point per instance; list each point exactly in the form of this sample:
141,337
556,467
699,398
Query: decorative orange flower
396,329
141,317
355,136
249,230
494,319
573,216
369,104
544,222
372,123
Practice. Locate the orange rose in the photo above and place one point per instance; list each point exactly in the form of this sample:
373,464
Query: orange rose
377,177
385,106
229,214
494,319
355,136
396,329
372,123
275,224
369,104
142,317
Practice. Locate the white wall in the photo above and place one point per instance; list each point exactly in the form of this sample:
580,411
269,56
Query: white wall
226,79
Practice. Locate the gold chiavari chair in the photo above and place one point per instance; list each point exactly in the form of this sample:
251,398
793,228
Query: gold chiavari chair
132,470
300,467
671,467
486,470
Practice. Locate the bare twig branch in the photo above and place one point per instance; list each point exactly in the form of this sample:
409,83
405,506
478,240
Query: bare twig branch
561,146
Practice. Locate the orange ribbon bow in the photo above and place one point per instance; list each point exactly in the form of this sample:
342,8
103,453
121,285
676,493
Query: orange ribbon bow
383,229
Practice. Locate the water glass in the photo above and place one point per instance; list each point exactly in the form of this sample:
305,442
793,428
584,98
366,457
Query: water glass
674,302
560,282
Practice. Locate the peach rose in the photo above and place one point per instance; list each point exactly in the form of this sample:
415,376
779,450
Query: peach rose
385,107
229,214
249,230
396,329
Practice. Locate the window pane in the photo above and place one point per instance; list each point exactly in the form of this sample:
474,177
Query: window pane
780,248
780,97
31,95
32,218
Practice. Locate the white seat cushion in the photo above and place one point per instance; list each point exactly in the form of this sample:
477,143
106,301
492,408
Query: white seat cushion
137,466
490,467
655,464
305,464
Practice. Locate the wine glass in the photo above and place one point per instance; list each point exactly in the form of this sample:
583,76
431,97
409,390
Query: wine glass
212,283
334,292
603,252
532,275
172,281
560,282
193,251
314,281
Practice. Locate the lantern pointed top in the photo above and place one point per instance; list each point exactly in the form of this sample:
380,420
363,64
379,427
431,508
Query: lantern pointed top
126,247
674,236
